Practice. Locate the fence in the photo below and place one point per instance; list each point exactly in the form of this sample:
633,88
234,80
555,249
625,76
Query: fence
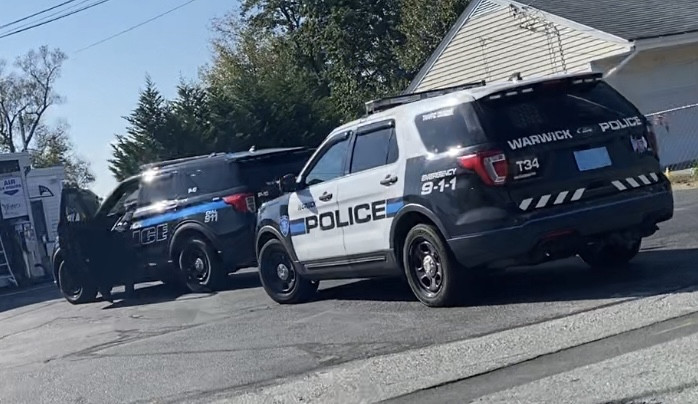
677,135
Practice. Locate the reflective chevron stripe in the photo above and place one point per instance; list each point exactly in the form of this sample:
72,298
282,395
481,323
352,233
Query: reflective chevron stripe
636,182
548,200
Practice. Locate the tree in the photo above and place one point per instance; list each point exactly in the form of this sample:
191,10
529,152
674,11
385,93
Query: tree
148,126
285,73
54,148
424,25
26,95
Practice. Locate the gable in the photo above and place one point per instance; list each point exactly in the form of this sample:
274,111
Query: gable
495,39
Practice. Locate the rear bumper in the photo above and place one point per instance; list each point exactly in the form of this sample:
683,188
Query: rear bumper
521,244
237,249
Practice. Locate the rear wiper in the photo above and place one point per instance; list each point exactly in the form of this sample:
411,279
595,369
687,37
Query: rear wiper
620,114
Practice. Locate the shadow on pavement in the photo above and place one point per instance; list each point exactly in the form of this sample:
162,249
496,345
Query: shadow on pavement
15,298
653,272
161,293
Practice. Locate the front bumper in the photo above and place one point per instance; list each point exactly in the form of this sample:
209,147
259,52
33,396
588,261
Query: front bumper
522,244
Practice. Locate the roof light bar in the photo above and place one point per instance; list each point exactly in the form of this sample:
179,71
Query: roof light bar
383,104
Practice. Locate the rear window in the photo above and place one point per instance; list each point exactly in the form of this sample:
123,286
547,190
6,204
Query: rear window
448,128
554,108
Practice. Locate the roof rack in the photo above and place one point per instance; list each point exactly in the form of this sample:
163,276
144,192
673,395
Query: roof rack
383,104
161,164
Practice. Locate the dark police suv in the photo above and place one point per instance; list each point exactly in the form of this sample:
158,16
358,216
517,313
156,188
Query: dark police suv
439,184
188,221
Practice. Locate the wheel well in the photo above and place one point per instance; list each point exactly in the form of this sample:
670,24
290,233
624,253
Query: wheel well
56,264
403,226
182,237
263,239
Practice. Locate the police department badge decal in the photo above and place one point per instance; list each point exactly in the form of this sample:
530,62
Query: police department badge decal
284,225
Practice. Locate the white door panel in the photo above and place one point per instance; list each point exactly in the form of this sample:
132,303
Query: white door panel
373,206
313,231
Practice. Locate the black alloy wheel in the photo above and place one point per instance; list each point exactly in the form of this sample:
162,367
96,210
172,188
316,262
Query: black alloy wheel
279,277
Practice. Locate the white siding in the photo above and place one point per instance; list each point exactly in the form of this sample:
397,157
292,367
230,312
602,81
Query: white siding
497,41
661,80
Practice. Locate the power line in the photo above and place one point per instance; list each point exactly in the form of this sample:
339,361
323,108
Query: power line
17,31
134,27
48,16
37,13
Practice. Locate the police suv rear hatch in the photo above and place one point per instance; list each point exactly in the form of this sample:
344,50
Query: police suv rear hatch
567,140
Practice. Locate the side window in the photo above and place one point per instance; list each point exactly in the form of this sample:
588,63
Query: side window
374,149
158,189
74,210
208,179
330,165
447,128
127,198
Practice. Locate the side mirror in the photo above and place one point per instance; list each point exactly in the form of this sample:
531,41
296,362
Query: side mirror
287,183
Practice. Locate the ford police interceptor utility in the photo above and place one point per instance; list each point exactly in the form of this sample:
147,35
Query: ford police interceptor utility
189,221
439,184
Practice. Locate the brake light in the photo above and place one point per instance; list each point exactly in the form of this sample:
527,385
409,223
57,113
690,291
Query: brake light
491,166
652,140
241,202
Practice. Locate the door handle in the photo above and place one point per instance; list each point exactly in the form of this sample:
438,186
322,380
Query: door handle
389,180
325,197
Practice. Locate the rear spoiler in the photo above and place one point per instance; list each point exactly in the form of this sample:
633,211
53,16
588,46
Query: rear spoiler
293,150
527,88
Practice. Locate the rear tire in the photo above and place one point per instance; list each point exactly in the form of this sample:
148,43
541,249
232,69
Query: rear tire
434,276
612,256
200,266
74,287
279,277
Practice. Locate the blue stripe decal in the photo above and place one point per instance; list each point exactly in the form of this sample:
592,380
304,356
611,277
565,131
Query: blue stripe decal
393,206
298,227
170,216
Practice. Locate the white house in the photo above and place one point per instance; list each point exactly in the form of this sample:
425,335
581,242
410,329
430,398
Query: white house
648,49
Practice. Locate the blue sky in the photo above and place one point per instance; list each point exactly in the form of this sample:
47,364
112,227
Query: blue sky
101,84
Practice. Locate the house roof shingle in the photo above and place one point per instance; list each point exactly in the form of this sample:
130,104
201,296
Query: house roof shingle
628,19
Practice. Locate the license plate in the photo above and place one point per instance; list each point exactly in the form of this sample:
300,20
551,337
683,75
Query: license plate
592,159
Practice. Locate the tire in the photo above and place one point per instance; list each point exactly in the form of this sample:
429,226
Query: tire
612,256
279,277
200,266
74,287
434,276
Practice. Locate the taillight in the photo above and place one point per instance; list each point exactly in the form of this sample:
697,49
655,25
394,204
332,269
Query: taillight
492,166
652,140
241,202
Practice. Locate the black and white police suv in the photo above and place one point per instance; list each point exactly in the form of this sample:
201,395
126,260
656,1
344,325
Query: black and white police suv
439,184
189,221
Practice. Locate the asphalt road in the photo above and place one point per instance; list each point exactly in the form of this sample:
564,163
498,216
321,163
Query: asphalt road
168,348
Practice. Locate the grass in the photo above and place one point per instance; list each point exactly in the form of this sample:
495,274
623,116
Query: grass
685,179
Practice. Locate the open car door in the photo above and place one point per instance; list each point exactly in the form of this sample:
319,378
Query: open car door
93,243
75,225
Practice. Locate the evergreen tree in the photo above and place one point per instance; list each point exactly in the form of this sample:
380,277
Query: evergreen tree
143,142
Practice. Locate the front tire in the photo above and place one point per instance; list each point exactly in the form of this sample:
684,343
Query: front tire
613,256
279,277
434,276
200,266
74,287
